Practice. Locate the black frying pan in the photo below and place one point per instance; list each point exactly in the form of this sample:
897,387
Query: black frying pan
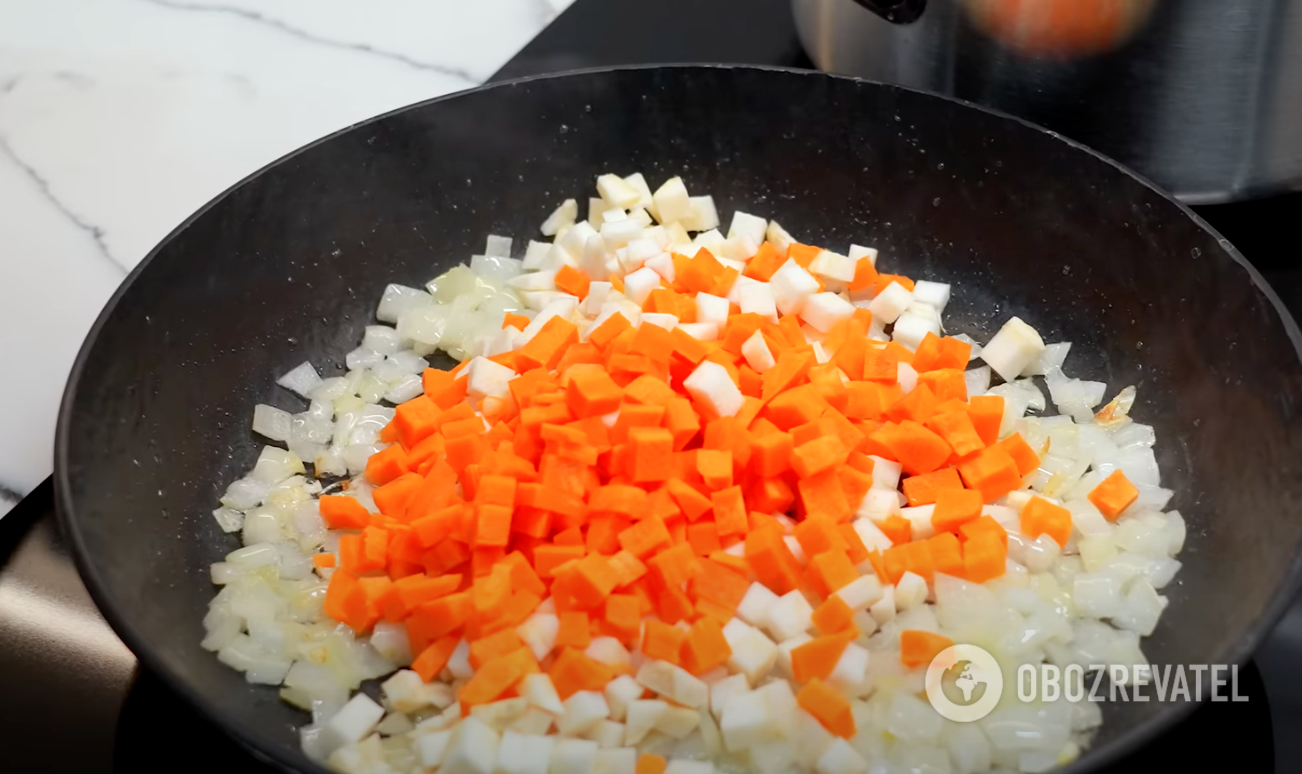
289,264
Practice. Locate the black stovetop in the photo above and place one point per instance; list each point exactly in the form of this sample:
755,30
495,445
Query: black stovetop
73,700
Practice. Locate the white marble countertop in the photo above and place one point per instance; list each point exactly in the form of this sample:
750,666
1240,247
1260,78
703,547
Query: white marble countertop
118,118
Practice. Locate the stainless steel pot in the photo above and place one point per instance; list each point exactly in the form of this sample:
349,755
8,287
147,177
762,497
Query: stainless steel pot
1202,96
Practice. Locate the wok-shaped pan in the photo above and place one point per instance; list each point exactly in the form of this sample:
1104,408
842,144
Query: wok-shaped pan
288,265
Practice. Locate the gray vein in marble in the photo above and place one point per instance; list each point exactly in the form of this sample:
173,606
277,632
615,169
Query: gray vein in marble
285,27
95,232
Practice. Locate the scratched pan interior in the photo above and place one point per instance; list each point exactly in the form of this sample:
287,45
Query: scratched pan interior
288,265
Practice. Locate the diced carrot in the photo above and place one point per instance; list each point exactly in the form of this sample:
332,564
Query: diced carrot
818,455
547,346
829,571
817,658
415,419
991,471
432,659
729,511
946,554
499,675
703,537
406,594
897,528
323,561
386,465
984,558
919,404
771,454
715,467
592,580
772,495
605,333
649,763
817,535
958,431
954,508
828,706
772,561
592,393
662,641
572,281
1041,517
573,672
987,412
791,369
523,575
1113,495
492,646
437,618
762,265
650,449
1021,452
833,616
622,618
795,406
548,557
575,630
342,512
918,647
918,449
644,538
704,647
923,489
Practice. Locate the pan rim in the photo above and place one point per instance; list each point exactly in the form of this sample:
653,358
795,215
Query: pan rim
268,749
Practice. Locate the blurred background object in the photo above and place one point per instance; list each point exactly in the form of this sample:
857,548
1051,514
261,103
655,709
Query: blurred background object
1202,96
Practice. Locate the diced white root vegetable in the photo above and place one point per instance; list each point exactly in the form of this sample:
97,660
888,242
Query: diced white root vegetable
850,670
841,758
723,691
747,226
1013,349
472,749
432,747
791,285
755,605
910,591
784,653
919,517
352,722
823,310
757,298
405,692
563,217
833,266
582,711
617,760
272,423
615,191
639,284
660,320
539,632
753,653
488,379
619,692
641,717
534,722
572,756
790,616
890,303
539,691
872,536
704,215
906,377
523,754
685,766
860,593
301,379
879,505
859,251
778,235
671,201
674,683
711,308
497,715
711,384
756,351
677,722
700,331
459,661
886,473
608,650
910,329
933,294
662,264
883,610
796,550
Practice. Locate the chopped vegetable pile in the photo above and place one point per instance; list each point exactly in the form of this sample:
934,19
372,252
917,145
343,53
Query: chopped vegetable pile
687,503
